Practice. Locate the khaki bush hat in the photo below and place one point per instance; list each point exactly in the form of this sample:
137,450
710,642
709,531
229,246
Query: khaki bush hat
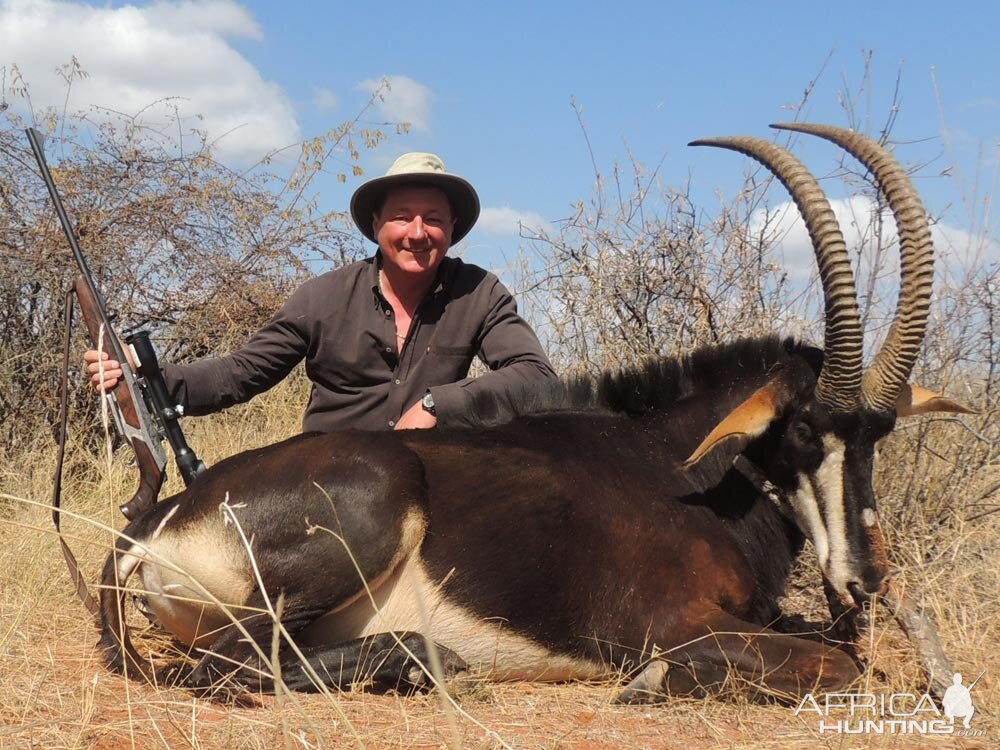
417,168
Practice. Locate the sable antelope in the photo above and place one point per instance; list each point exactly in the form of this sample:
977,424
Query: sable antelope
569,532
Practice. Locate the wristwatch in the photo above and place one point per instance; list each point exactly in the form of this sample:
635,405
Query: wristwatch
428,403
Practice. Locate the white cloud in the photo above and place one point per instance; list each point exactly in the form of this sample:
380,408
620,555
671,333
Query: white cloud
506,220
218,16
405,100
325,100
139,55
960,248
784,226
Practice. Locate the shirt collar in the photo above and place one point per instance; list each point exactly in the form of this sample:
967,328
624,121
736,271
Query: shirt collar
374,263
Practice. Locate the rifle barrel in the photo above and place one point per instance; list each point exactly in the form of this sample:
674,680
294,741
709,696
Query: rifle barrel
36,139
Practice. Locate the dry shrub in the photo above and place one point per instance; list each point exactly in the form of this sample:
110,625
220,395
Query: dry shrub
631,277
178,243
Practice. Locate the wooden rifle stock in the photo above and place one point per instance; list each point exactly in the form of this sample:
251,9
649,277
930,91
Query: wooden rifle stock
130,411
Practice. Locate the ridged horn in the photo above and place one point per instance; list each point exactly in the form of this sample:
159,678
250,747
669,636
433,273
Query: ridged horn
839,381
891,367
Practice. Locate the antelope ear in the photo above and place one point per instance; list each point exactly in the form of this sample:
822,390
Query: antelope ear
747,421
915,399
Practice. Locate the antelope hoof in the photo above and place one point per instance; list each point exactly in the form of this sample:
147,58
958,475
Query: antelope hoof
648,687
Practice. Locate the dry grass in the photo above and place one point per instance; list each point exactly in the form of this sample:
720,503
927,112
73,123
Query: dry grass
55,693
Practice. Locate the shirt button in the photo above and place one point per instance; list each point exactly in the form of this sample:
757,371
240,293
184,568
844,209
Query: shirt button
388,348
392,423
397,382
387,313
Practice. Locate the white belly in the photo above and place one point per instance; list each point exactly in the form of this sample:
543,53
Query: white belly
408,600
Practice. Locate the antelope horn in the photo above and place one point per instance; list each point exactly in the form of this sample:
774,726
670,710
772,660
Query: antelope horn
892,365
840,379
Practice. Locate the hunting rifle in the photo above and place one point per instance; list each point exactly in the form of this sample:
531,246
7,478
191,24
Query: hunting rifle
139,402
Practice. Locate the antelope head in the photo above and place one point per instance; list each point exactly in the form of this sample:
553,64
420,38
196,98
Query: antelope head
828,426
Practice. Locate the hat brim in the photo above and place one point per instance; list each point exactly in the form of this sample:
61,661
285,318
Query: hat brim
461,195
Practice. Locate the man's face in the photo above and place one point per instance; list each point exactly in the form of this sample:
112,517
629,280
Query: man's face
414,228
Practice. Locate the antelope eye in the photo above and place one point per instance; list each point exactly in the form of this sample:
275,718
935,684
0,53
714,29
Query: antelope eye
801,432
804,447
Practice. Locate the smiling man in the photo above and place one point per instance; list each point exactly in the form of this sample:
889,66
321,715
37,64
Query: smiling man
387,341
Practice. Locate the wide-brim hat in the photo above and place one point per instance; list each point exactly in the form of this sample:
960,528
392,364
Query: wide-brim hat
417,168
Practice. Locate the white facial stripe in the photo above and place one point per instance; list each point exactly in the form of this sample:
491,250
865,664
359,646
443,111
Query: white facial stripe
829,481
819,506
810,521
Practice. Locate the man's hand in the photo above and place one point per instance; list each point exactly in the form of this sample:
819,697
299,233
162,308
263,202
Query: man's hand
416,418
96,362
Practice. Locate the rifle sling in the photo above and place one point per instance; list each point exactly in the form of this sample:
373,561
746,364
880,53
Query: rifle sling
74,570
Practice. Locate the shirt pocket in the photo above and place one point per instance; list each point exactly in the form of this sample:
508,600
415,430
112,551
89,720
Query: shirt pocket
447,364
451,351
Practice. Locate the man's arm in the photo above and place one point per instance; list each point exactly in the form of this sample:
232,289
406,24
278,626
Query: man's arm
208,385
216,383
509,348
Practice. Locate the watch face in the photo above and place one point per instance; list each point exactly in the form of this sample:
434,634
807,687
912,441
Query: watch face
428,402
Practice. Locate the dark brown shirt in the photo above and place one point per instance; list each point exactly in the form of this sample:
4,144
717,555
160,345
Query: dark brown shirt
345,330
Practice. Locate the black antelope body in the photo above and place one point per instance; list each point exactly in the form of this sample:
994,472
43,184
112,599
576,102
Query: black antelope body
572,533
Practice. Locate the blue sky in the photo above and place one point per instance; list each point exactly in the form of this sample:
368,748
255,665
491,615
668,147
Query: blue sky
488,85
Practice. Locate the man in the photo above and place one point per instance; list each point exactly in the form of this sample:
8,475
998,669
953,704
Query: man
387,341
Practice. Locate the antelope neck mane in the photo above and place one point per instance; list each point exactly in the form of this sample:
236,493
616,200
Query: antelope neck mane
652,386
